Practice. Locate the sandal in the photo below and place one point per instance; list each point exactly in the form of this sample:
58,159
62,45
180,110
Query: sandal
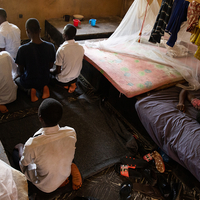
125,191
127,171
164,186
160,166
150,176
138,163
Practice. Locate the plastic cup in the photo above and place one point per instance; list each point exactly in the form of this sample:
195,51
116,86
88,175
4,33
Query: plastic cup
66,17
92,22
76,22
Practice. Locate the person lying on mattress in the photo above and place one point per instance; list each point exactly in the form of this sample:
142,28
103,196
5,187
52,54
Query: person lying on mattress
34,60
191,98
46,158
69,57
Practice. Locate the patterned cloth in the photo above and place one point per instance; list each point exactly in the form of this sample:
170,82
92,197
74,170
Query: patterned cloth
161,21
193,15
179,15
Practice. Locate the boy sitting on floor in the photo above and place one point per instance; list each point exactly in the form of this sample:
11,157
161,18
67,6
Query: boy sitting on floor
8,88
46,158
69,59
9,35
34,60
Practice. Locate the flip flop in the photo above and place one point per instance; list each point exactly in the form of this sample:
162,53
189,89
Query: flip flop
160,165
125,191
138,163
127,171
150,176
164,186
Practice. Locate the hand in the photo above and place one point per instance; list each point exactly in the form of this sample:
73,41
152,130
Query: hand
19,146
181,107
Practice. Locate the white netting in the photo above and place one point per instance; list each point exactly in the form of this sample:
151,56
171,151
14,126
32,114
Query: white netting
125,41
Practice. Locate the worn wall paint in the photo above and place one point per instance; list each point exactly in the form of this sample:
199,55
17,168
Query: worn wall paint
45,9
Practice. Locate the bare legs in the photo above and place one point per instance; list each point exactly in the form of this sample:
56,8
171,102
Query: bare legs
191,98
46,93
71,88
3,109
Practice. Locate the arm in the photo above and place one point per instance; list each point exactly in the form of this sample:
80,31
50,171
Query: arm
55,71
51,65
20,147
20,70
182,96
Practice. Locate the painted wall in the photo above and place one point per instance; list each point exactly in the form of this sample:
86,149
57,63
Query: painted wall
127,3
45,9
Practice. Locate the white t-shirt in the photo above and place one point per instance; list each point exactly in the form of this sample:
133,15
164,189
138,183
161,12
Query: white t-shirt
10,38
47,158
8,189
8,88
69,56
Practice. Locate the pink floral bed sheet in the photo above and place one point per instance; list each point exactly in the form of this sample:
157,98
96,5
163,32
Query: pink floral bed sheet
128,75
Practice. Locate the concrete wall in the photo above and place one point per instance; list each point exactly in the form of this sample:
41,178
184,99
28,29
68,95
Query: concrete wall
45,9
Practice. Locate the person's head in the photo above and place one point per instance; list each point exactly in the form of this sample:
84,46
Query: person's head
50,112
198,117
32,27
69,32
3,15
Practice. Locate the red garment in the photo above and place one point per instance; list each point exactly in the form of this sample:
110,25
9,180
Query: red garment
193,15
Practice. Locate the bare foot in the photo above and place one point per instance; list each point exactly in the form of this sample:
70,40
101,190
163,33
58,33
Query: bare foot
20,145
34,98
3,109
64,183
76,177
181,107
46,92
72,88
66,87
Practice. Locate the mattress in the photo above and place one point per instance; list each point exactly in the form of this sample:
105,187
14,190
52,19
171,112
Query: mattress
131,76
175,132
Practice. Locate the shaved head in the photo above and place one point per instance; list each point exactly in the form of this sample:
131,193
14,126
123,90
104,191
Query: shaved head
3,13
33,25
70,31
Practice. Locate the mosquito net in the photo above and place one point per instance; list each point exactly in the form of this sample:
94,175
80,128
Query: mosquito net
126,40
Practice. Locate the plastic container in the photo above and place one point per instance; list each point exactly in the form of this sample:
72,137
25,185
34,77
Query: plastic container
92,22
76,22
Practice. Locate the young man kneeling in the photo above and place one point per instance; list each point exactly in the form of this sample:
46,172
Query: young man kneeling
69,57
46,158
